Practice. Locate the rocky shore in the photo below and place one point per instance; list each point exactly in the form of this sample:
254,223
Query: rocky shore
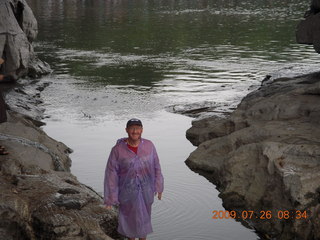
40,198
18,29
266,156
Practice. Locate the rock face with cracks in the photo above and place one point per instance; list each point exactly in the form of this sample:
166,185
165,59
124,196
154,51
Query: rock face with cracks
18,29
40,198
266,156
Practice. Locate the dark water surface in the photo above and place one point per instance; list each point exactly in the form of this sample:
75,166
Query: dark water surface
118,59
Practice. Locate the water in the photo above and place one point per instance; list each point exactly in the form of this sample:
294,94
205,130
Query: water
114,60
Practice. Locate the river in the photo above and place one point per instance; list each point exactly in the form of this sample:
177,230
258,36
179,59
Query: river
118,59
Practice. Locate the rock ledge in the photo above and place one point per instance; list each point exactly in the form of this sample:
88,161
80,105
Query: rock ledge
266,156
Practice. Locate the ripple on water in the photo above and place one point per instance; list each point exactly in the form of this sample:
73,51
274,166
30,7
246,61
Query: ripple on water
142,56
182,189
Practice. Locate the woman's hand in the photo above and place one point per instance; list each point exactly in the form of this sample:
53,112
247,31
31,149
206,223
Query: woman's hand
108,207
159,195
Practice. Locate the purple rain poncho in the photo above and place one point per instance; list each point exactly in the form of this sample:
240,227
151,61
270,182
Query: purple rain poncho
131,180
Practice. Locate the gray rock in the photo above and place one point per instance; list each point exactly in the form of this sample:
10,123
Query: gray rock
266,156
40,198
18,28
209,128
201,109
37,67
25,98
308,30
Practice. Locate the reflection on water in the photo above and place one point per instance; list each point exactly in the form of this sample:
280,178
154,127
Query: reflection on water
186,50
117,59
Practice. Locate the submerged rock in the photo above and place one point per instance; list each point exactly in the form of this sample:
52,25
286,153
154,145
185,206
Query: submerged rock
266,157
18,28
201,109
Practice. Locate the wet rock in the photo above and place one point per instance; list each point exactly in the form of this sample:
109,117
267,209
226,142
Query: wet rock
25,98
265,156
37,68
308,30
68,191
69,203
201,109
209,128
40,198
30,148
18,28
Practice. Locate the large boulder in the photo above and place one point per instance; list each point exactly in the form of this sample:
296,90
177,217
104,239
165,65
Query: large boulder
266,157
18,28
40,198
308,30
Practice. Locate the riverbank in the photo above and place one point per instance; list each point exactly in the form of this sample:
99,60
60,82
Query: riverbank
265,157
105,73
40,198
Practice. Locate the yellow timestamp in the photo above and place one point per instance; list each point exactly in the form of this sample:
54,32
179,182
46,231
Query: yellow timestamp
263,214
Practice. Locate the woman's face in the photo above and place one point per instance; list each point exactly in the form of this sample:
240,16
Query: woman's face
134,132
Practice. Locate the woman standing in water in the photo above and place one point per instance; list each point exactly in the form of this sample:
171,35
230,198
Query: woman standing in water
132,178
